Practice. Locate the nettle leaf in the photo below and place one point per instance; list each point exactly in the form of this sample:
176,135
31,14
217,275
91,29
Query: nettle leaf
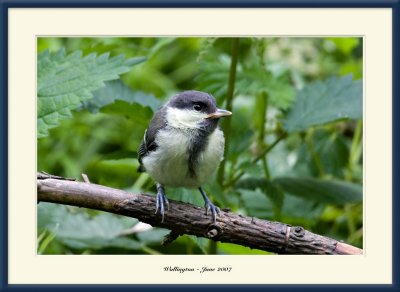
213,77
116,90
78,230
323,102
323,191
256,79
64,81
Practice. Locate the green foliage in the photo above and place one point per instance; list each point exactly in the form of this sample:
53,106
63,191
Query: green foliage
45,238
293,144
274,193
325,191
324,102
256,79
76,230
64,81
116,90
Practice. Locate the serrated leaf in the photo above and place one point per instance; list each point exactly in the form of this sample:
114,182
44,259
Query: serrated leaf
78,230
323,102
116,90
256,80
213,77
323,191
64,81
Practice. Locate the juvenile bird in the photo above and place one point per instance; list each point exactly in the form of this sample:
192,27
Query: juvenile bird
183,145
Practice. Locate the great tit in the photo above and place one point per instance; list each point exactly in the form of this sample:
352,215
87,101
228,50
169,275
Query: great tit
183,146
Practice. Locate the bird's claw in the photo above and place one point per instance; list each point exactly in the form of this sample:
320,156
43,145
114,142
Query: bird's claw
210,206
161,201
214,210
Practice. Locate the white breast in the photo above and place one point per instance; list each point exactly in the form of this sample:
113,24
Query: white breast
168,165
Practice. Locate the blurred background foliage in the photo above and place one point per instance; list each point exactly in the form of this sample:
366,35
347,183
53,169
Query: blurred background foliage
294,142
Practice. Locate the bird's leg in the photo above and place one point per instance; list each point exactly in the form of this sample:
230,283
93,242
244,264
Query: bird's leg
209,206
161,201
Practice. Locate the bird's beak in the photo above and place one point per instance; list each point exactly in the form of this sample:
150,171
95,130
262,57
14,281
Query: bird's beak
219,114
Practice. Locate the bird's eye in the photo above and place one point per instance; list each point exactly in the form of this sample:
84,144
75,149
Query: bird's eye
197,107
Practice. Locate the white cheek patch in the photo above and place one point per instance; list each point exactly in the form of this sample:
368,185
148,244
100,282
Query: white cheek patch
183,118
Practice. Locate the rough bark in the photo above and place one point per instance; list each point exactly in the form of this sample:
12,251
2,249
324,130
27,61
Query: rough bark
183,218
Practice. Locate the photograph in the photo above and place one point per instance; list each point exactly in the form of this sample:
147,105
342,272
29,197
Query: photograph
199,145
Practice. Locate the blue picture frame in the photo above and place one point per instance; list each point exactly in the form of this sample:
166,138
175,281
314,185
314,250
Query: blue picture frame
6,5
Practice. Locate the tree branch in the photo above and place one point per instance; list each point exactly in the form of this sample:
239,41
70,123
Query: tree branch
183,218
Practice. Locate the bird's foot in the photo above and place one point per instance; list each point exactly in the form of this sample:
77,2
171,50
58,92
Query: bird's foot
210,206
161,201
214,210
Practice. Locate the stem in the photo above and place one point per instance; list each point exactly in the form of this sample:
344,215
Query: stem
257,158
263,106
229,99
149,250
350,220
313,153
355,150
143,177
270,147
212,248
266,168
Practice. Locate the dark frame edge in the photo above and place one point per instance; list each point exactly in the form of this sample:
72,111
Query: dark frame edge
6,4
4,145
395,143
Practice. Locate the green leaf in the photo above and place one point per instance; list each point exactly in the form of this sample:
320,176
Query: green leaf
323,102
318,190
345,45
273,193
302,210
78,230
251,168
159,45
256,203
201,242
332,151
191,196
116,90
45,238
132,111
236,249
213,76
153,236
64,81
256,79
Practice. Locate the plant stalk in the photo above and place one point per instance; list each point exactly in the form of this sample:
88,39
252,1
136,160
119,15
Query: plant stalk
229,99
257,158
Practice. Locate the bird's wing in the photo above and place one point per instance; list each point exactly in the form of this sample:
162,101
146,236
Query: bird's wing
148,143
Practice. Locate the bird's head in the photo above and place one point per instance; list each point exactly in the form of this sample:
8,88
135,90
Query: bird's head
193,109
